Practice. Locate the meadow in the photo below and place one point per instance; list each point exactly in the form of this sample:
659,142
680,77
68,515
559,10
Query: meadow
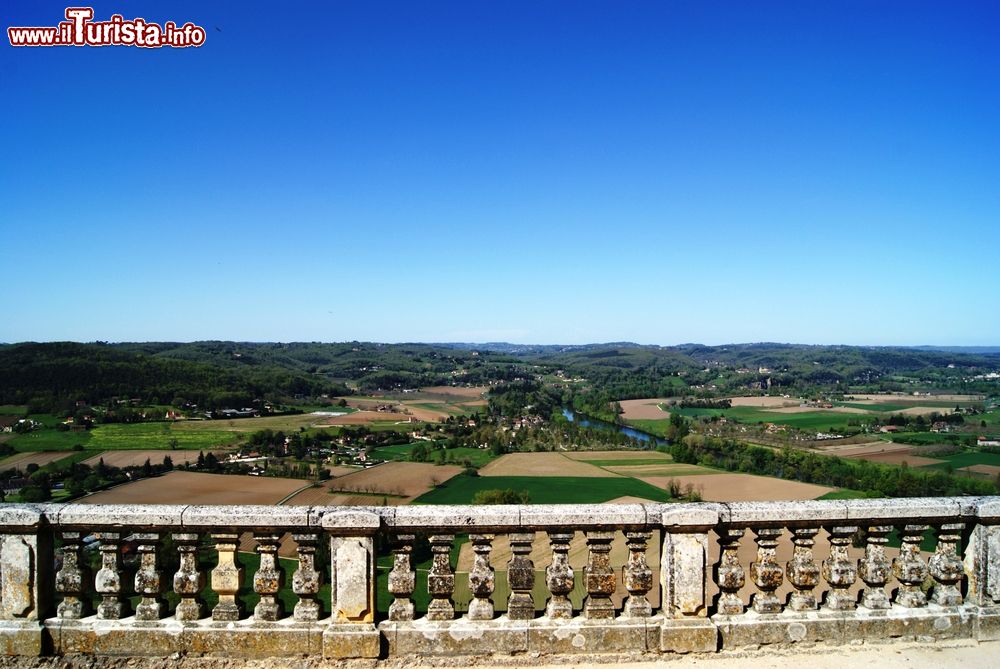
544,490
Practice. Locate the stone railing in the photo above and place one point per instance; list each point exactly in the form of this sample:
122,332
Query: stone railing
538,579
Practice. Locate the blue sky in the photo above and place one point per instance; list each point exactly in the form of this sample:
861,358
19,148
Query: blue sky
543,172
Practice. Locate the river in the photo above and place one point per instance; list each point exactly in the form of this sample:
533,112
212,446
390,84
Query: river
585,421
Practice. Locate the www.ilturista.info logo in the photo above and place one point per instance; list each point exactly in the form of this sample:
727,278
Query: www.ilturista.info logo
79,29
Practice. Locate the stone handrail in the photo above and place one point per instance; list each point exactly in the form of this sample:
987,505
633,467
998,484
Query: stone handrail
653,578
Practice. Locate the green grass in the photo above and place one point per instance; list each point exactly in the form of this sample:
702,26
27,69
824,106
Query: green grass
544,489
396,452
49,440
117,437
12,409
477,456
820,421
875,407
843,494
966,459
657,427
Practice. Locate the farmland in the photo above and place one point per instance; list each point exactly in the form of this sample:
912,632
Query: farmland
545,489
40,458
197,488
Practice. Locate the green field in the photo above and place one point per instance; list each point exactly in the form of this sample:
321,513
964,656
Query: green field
49,440
544,490
820,421
966,459
397,452
843,493
880,407
117,437
657,427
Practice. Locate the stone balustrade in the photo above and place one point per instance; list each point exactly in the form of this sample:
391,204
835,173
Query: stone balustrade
382,581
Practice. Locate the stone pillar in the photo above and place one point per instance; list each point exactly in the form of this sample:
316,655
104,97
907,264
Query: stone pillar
352,576
188,580
306,579
482,578
909,568
874,568
402,578
559,576
521,577
945,566
148,578
267,580
638,576
766,573
441,578
838,570
599,577
802,571
729,574
108,580
26,578
71,579
226,577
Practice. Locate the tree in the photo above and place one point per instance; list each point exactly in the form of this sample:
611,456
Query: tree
498,496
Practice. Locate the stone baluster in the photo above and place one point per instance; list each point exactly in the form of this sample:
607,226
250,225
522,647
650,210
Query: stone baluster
306,579
402,578
874,568
108,580
638,576
149,578
71,578
559,576
766,573
838,570
599,577
909,568
267,579
729,574
482,578
226,577
946,567
441,578
188,580
802,570
521,577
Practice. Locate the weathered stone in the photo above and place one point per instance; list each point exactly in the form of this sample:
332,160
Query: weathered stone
226,577
559,576
17,577
482,579
946,567
802,570
521,577
875,568
244,517
463,636
441,578
352,640
599,577
729,574
639,577
306,579
766,573
683,573
788,627
22,637
686,635
838,570
909,568
148,579
402,578
108,580
268,578
71,578
188,580
352,579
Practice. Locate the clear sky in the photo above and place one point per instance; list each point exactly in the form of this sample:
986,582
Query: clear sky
535,172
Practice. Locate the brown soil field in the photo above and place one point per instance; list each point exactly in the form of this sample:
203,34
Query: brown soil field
249,424
40,458
364,418
666,469
802,409
727,487
456,391
898,459
847,450
764,402
136,458
422,413
322,496
405,479
195,488
991,470
541,464
644,409
901,397
617,455
923,411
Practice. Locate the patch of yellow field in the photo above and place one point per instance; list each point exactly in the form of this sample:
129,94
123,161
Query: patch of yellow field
726,487
644,409
666,469
541,464
764,402
617,455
